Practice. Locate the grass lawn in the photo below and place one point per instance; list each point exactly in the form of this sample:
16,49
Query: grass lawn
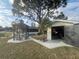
5,34
32,50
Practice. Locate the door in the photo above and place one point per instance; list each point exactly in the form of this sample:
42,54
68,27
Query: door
57,32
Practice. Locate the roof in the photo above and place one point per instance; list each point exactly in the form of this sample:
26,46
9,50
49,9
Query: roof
64,23
67,21
33,27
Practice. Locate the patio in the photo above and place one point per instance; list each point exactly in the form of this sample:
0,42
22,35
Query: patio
52,43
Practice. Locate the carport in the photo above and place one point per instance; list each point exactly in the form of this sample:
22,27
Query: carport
61,29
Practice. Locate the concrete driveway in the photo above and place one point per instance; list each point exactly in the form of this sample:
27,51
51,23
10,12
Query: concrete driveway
52,43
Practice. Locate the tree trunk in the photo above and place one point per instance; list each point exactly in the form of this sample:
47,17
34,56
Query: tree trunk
13,35
40,30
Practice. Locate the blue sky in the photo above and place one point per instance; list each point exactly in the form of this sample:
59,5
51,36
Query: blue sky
6,17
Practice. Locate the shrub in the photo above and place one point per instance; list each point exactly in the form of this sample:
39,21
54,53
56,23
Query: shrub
40,37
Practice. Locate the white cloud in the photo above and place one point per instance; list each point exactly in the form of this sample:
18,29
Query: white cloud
71,10
11,1
3,21
72,5
5,13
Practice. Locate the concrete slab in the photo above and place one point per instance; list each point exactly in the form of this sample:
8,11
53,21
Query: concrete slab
17,41
52,43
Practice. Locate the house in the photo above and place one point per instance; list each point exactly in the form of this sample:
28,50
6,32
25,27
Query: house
64,29
33,30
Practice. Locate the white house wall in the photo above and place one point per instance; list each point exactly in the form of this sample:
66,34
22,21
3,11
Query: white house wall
49,34
73,33
76,32
71,30
61,24
68,30
76,28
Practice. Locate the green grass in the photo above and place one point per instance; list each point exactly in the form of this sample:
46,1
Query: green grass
5,34
32,50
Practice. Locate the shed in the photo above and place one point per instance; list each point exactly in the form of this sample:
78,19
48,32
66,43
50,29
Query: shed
63,29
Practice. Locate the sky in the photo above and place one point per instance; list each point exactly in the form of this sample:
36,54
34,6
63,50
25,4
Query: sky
6,17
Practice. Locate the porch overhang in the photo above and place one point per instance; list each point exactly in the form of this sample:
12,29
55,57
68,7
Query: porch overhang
61,24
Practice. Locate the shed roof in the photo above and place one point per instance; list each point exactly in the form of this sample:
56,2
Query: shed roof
67,21
64,23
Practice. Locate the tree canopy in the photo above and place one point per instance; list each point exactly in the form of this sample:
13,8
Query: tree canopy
37,10
40,8
61,16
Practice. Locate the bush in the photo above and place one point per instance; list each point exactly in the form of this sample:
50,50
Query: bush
40,37
39,33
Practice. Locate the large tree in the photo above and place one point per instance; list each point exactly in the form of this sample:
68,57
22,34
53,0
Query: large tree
45,24
37,10
61,16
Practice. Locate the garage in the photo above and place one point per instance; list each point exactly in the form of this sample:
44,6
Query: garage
63,29
57,32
